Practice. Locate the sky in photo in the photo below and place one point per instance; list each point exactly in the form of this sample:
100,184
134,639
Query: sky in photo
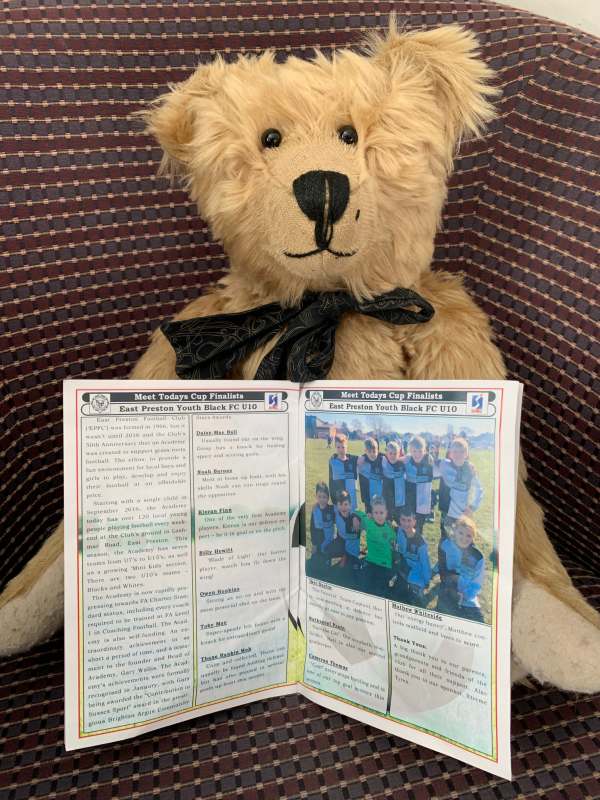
406,423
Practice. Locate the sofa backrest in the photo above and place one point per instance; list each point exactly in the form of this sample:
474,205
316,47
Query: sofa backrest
97,250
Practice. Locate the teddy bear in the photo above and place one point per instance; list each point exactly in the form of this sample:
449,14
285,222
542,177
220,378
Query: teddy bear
329,175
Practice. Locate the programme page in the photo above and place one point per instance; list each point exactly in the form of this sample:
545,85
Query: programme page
231,541
409,509
179,504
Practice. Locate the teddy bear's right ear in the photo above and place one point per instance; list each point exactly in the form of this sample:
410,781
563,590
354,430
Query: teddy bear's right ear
172,117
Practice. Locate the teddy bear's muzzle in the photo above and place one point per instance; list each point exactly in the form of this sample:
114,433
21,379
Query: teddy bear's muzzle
323,197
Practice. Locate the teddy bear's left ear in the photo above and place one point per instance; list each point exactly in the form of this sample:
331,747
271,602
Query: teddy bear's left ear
450,60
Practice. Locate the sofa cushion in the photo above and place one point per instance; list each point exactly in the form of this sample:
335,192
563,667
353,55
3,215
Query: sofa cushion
286,747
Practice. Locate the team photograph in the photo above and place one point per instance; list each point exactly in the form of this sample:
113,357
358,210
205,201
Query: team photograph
402,508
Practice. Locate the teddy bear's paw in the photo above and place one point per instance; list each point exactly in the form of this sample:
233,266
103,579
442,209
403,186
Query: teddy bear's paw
33,616
518,673
552,642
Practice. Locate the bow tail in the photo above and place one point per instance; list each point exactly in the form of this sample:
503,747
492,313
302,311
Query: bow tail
397,307
274,365
210,347
301,355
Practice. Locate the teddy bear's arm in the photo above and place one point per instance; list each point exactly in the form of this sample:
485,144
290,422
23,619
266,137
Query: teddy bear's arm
457,344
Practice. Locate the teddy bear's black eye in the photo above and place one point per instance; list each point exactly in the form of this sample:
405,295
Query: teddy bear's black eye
348,134
271,138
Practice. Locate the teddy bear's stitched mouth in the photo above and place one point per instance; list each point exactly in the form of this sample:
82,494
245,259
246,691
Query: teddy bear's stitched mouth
314,252
323,197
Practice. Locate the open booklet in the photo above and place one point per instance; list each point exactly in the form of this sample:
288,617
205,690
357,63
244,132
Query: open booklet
230,541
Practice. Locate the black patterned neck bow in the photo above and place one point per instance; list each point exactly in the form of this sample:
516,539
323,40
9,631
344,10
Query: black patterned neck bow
209,347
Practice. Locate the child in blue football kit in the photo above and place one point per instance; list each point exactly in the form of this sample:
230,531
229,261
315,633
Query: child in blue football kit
343,471
461,492
370,471
462,571
418,467
434,452
347,527
394,481
322,521
413,569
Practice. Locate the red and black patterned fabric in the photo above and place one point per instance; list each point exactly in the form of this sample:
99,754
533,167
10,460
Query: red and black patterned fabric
97,251
285,748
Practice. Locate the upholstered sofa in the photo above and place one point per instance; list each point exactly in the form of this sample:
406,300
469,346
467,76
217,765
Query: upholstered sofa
96,251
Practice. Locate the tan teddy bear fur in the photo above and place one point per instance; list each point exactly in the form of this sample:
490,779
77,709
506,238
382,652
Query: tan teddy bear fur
411,98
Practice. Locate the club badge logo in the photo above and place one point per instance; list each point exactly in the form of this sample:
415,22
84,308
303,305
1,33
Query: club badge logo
477,403
100,403
273,401
316,399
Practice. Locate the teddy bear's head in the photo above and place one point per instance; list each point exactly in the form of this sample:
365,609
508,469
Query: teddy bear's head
327,173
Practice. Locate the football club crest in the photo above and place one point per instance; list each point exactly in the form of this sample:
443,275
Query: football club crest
100,403
316,399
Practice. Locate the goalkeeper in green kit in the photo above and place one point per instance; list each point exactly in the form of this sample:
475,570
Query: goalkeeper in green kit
380,540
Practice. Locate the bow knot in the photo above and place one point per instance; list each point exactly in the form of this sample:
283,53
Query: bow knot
209,347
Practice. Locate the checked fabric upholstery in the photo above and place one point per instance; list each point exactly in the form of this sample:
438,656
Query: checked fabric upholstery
96,251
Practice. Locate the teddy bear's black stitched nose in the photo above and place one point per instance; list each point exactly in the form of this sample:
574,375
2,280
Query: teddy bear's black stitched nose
323,197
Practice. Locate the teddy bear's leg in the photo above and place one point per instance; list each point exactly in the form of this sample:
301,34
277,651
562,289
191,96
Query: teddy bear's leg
556,634
551,642
31,605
